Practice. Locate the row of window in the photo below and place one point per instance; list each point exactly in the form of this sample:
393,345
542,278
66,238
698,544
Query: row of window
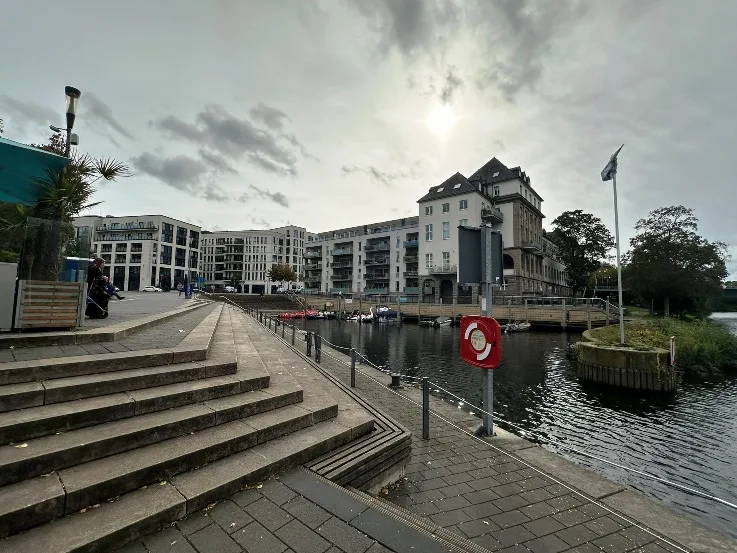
445,229
462,205
429,260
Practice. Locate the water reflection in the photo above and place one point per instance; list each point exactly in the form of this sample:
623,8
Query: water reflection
689,438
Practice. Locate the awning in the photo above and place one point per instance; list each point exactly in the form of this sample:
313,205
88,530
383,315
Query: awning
20,166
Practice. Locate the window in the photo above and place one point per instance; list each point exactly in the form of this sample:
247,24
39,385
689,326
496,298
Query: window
397,241
463,222
446,208
463,204
428,261
446,260
428,233
439,189
495,174
457,186
496,191
446,231
428,210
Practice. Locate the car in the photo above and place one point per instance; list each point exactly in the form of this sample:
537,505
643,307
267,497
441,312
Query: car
151,289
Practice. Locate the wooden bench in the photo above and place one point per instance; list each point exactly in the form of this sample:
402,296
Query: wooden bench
48,304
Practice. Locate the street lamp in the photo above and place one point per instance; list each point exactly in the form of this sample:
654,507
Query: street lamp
73,95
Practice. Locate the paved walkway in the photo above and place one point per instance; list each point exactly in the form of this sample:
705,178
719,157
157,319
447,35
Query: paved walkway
164,335
137,305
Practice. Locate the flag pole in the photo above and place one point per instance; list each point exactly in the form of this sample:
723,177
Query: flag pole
619,260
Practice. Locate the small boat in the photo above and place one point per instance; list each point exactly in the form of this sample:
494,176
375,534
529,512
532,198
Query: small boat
442,321
312,314
517,327
368,318
426,322
384,314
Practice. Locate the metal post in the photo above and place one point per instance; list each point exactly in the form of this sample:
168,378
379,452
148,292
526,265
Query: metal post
619,261
425,408
294,331
283,330
309,344
588,313
607,311
318,347
488,378
353,368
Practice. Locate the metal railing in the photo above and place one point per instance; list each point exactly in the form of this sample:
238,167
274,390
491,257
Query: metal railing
314,341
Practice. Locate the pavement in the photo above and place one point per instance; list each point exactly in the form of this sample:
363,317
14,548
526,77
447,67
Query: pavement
167,334
137,305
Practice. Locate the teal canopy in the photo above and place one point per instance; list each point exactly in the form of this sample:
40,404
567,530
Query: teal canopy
20,167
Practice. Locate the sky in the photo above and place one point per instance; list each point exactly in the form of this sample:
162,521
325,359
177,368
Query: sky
237,114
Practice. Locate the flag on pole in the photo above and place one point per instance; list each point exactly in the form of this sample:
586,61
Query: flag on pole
610,170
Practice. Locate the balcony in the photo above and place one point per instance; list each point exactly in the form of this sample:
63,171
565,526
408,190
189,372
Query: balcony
530,246
313,255
443,269
341,276
103,228
410,273
376,276
492,215
341,290
312,280
375,291
123,237
381,247
340,264
410,259
411,290
411,243
377,261
313,267
343,251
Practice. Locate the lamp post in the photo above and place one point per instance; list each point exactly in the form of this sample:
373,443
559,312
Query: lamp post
73,95
610,173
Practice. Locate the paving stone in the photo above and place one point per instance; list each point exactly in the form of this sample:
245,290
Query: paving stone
576,535
513,536
423,497
543,526
277,492
481,496
213,539
456,489
423,509
452,503
637,535
565,502
229,516
256,538
194,522
546,544
427,485
488,541
307,512
474,528
603,525
330,498
133,547
571,517
482,510
458,478
344,536
267,513
538,510
509,503
450,518
169,540
378,548
300,538
614,543
392,533
586,548
246,497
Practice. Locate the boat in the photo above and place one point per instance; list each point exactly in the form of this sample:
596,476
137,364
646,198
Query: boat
442,321
517,327
312,314
385,314
368,318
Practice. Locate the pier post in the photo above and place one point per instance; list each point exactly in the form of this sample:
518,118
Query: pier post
588,313
425,408
283,330
606,304
294,331
527,316
309,344
318,347
353,368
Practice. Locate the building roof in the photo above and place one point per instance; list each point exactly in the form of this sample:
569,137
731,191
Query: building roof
494,171
455,185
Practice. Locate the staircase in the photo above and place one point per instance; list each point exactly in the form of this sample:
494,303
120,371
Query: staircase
96,451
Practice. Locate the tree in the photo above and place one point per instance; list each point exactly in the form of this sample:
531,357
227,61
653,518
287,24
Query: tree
674,266
281,273
583,242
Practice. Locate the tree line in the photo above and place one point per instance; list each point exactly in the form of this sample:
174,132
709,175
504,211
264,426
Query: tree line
668,264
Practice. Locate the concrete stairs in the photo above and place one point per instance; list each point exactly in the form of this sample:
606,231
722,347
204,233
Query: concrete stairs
98,450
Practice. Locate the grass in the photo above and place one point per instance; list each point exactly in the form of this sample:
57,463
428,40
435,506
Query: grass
703,348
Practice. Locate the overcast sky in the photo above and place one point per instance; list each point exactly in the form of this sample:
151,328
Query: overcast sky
246,114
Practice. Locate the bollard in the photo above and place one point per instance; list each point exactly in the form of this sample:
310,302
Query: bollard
308,338
283,330
353,368
425,408
318,347
396,381
294,331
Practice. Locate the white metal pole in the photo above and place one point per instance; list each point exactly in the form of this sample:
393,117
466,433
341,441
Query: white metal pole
619,261
488,378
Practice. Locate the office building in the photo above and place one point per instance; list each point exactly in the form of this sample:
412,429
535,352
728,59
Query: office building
143,250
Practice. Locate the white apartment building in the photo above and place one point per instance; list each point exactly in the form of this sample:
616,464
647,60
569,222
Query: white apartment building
143,250
505,199
242,258
378,258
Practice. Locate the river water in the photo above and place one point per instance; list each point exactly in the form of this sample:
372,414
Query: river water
689,438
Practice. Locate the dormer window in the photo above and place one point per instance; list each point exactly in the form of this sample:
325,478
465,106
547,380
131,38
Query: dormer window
439,189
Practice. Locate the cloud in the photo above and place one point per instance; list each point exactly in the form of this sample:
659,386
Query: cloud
452,83
271,117
20,113
181,172
217,162
237,138
382,177
97,110
276,197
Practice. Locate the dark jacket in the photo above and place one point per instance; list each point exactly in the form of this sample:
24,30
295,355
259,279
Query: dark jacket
94,273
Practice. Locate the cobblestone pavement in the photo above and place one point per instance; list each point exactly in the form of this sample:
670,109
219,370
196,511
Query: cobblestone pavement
297,513
491,497
164,335
137,305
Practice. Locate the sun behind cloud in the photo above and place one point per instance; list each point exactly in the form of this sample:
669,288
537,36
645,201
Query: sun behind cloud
441,120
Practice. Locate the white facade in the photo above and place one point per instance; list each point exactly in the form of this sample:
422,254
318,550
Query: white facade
243,257
378,258
143,250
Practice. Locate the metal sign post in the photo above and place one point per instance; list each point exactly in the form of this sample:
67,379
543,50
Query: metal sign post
488,384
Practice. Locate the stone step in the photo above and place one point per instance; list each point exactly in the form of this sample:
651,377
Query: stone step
46,454
114,523
33,394
14,372
26,424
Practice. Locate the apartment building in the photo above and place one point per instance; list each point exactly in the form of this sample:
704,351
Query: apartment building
242,258
377,258
503,198
143,250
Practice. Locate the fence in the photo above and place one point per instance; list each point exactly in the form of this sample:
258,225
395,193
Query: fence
317,343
